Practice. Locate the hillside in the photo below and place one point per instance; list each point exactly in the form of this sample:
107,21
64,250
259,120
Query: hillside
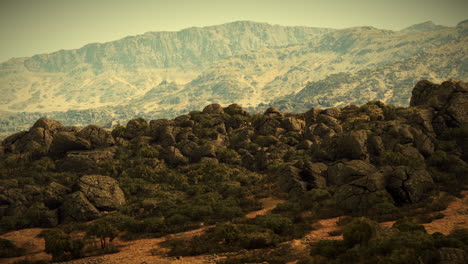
165,74
210,171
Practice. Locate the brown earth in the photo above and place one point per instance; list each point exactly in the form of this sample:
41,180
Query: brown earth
140,251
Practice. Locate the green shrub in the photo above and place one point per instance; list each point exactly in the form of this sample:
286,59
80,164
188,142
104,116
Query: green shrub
103,230
328,248
359,231
408,225
61,246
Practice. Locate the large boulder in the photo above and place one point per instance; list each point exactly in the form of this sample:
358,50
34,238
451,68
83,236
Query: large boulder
76,208
293,124
345,172
47,124
408,185
87,161
235,109
67,141
102,191
54,193
136,127
314,174
174,157
99,137
449,100
357,195
37,140
350,145
214,109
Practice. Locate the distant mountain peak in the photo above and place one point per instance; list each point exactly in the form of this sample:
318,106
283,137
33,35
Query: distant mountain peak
424,27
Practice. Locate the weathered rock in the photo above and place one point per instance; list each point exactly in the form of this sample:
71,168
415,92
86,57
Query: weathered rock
293,124
214,109
323,131
311,115
10,142
332,111
85,162
54,194
375,145
136,127
267,126
351,145
207,149
314,174
348,171
426,93
67,141
330,122
102,191
374,112
423,117
47,124
290,181
76,208
174,157
408,185
235,109
273,112
99,137
456,113
422,142
449,99
405,135
357,194
354,145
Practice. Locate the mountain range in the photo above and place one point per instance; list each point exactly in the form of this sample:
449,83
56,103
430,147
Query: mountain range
165,74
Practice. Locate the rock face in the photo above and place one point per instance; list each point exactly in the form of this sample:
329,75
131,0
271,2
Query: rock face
449,100
77,208
409,185
67,141
88,161
102,191
98,137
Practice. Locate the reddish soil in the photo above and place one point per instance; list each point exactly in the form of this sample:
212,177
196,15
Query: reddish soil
139,251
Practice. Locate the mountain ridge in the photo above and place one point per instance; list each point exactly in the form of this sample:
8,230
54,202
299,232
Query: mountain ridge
250,71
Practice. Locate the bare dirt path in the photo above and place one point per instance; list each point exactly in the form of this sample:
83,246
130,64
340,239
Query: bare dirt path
134,252
139,251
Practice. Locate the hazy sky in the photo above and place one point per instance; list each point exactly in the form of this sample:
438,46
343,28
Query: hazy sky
29,27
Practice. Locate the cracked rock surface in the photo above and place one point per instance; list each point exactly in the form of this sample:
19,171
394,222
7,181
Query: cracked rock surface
102,191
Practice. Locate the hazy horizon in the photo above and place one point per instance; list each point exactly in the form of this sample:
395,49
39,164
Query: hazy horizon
44,26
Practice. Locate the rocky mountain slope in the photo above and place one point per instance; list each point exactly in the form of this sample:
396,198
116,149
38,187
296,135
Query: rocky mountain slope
210,167
164,74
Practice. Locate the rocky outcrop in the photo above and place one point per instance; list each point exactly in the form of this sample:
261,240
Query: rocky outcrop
408,185
344,172
67,141
98,137
357,194
84,162
449,100
102,191
213,109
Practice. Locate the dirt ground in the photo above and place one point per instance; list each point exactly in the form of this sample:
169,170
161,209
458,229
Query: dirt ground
139,251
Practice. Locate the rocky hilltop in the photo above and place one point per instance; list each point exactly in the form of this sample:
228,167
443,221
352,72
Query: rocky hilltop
356,151
171,175
166,74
